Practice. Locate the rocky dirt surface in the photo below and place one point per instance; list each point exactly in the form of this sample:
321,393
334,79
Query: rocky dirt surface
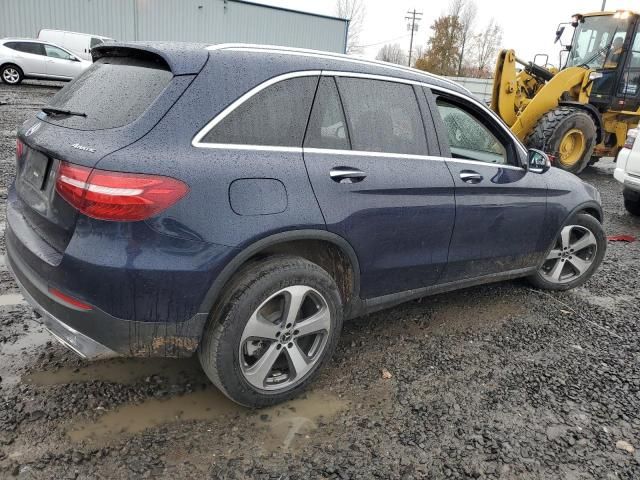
500,381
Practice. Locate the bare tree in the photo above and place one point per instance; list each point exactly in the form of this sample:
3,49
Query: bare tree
392,53
465,11
355,11
486,45
467,19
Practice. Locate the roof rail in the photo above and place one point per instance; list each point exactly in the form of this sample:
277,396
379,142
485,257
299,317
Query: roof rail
248,47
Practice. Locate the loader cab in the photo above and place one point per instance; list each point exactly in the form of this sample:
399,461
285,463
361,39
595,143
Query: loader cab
609,43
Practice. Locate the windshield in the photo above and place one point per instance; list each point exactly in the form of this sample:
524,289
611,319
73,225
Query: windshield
597,43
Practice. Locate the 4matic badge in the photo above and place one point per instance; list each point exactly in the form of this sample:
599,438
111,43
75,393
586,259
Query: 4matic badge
83,148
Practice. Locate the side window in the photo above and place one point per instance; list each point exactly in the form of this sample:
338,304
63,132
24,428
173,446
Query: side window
12,45
95,42
630,82
468,138
29,47
276,116
327,126
56,52
383,116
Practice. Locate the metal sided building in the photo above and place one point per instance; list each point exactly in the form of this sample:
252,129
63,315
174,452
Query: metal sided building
209,21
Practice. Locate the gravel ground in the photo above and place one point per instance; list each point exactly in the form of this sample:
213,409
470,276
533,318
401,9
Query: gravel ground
500,381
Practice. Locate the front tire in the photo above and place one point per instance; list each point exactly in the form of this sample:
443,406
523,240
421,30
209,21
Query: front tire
11,74
567,133
575,255
276,326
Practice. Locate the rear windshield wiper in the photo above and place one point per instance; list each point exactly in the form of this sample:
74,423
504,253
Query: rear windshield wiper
60,111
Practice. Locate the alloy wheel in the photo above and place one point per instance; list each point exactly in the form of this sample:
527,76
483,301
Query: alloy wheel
284,338
572,255
11,75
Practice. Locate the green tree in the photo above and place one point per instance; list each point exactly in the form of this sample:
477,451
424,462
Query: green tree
443,48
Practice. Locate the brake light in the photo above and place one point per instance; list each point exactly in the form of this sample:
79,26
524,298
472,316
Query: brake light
117,196
631,137
19,148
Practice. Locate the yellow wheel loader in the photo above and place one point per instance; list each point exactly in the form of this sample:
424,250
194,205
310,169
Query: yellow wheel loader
581,112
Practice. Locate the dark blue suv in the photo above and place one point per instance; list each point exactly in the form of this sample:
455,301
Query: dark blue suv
242,201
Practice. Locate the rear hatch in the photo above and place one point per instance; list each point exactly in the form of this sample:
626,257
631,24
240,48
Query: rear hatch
114,103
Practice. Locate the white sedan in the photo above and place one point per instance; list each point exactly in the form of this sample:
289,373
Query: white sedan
627,171
21,58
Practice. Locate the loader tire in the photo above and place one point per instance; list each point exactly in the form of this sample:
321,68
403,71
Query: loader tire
569,134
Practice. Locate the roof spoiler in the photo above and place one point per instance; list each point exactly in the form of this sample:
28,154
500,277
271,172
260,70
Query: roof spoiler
178,58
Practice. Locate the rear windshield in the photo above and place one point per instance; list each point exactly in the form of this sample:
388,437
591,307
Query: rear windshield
112,92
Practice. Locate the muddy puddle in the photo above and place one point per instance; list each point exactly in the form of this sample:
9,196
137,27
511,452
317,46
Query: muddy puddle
121,370
281,427
16,353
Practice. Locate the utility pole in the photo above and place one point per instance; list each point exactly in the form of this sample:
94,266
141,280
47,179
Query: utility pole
604,5
412,18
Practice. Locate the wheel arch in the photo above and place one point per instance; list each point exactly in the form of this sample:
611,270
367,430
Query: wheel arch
14,64
590,207
340,260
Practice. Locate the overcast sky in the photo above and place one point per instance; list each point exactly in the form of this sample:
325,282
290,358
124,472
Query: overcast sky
529,28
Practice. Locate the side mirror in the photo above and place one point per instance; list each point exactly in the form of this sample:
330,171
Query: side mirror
559,33
538,161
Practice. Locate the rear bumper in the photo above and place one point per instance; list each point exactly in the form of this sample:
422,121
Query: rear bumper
96,334
68,336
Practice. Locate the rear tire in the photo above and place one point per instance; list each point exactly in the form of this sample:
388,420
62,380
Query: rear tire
567,133
11,74
574,256
255,351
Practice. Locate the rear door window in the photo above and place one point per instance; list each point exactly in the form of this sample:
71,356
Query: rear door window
327,125
276,116
113,92
29,47
383,116
95,42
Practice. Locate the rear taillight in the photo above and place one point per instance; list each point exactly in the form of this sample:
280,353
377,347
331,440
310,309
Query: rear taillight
117,196
19,148
631,137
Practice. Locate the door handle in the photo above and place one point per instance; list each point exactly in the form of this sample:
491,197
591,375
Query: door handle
469,176
346,175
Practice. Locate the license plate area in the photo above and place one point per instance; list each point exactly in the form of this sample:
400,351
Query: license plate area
35,169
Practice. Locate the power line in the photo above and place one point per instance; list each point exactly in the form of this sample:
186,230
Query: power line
385,41
412,24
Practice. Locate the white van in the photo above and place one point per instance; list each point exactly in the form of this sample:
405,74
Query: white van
79,43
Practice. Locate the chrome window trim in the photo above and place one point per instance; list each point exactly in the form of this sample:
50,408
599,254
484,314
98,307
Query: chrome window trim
237,146
365,153
486,164
197,139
